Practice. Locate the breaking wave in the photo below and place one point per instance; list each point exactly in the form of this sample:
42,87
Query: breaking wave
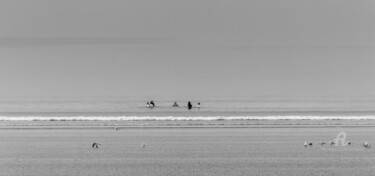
174,118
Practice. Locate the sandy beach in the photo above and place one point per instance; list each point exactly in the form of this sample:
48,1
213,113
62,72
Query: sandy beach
184,151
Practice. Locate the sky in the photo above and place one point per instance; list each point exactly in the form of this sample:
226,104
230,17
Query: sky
187,48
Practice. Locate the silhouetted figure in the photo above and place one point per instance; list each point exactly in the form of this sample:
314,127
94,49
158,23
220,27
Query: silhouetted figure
95,145
189,106
152,103
175,105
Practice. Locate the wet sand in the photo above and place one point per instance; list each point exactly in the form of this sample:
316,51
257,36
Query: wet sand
185,151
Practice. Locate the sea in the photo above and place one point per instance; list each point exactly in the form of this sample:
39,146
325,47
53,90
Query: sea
211,108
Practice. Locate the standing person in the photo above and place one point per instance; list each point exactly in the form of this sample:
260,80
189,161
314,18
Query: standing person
189,106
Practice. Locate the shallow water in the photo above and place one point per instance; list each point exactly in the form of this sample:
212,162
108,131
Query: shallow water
212,108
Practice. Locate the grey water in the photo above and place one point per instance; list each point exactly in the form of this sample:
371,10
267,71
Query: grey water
210,106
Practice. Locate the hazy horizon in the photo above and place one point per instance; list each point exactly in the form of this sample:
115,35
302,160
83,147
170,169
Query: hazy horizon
168,48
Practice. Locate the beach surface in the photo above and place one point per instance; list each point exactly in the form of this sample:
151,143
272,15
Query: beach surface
224,150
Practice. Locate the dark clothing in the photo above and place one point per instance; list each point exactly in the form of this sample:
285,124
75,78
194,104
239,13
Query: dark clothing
152,103
189,106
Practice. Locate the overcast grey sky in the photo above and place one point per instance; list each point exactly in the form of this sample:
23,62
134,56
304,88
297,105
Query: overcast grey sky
185,47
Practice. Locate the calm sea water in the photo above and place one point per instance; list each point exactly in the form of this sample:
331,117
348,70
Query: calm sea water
213,108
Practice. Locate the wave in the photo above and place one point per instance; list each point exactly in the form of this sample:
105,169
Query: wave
174,118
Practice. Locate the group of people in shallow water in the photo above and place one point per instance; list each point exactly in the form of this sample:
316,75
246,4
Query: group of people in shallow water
151,104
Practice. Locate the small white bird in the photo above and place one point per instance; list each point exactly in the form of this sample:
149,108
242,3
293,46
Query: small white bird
305,144
143,145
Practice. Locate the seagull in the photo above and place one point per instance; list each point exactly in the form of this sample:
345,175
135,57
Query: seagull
322,143
95,145
332,143
305,144
143,145
366,145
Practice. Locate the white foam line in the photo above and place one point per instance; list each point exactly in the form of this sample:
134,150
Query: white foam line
173,118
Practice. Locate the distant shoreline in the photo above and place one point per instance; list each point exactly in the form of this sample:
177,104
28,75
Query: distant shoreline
92,124
173,127
184,118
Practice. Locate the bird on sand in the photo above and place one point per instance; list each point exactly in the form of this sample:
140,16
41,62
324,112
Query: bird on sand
95,145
